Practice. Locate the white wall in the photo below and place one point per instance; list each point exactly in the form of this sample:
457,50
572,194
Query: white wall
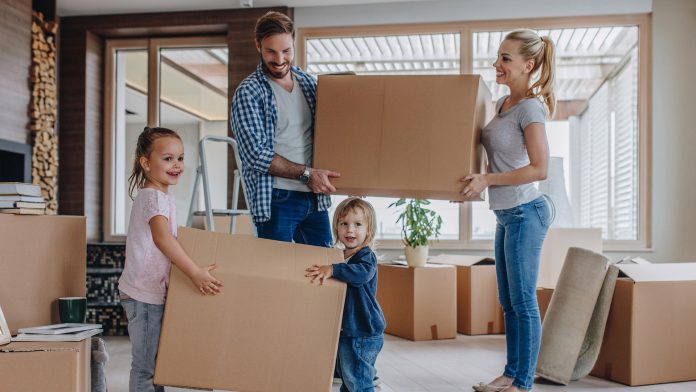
673,130
459,10
673,84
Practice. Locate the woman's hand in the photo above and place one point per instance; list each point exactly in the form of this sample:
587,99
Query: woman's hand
477,184
321,272
206,283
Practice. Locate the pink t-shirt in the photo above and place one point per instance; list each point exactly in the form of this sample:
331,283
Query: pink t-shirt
145,276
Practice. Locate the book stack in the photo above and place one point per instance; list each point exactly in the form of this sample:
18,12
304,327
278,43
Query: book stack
68,332
21,198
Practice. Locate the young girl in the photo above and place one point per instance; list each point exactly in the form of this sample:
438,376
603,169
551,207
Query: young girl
515,141
361,339
151,247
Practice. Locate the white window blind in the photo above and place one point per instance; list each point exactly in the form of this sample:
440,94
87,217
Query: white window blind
608,192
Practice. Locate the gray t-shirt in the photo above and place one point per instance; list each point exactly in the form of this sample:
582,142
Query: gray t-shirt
503,139
293,132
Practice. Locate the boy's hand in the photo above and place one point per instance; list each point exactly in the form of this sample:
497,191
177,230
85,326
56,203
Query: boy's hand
206,283
321,272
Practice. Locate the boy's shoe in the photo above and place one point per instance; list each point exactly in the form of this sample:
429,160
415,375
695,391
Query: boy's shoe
375,381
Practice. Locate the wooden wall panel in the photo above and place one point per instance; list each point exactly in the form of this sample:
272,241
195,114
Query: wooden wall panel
15,62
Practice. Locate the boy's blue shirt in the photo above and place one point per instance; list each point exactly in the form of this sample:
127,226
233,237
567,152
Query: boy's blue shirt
362,315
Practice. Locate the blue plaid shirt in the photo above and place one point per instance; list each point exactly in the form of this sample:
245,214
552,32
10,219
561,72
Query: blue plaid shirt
253,119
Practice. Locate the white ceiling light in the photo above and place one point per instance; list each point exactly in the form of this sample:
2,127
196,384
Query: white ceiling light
246,3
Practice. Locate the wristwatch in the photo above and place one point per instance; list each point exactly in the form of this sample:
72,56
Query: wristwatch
304,177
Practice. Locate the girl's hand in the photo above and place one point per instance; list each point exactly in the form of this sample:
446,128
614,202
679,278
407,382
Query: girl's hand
477,184
206,283
321,272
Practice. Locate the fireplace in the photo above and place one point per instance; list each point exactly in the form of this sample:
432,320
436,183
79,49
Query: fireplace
15,162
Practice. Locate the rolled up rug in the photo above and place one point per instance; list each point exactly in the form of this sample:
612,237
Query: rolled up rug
569,314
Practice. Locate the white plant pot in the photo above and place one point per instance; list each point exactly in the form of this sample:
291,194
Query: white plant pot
416,257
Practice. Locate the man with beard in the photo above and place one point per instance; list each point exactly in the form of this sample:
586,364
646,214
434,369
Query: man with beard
273,121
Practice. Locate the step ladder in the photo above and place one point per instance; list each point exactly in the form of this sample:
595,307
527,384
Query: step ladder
202,173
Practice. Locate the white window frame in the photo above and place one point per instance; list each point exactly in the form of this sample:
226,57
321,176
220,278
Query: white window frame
466,30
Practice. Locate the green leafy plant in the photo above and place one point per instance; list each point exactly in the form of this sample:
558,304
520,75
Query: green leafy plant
419,224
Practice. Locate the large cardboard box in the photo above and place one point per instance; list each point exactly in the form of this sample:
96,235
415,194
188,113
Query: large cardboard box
42,258
649,337
269,330
45,366
555,248
418,303
478,308
408,136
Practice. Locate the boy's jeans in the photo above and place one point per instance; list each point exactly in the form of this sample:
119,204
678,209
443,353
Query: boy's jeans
144,323
356,360
294,217
520,232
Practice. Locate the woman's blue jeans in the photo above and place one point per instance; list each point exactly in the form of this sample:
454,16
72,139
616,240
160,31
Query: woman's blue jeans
520,233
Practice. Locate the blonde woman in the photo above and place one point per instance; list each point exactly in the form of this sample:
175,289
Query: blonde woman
516,143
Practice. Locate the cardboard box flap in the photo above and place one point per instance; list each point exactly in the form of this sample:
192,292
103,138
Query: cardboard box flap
633,260
659,272
461,260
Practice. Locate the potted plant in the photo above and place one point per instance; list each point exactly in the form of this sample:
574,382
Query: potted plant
419,225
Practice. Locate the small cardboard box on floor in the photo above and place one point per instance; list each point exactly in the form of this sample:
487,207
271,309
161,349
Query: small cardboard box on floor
45,366
418,303
649,336
410,136
556,245
269,330
478,309
42,258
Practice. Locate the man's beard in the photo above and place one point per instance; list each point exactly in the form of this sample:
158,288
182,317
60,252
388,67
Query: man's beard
277,75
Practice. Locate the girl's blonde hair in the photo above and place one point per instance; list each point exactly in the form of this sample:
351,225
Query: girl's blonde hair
143,149
541,50
352,204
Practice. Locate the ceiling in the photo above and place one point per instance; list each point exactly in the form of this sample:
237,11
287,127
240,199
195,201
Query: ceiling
102,7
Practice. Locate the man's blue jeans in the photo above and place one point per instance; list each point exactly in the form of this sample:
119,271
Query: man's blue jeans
520,233
356,359
294,217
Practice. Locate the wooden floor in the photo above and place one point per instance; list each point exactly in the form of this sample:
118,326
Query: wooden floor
431,366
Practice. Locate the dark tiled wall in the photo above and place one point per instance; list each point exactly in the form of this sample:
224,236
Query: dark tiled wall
104,265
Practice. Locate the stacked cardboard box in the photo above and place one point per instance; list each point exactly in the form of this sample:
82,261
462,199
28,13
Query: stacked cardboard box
45,366
42,258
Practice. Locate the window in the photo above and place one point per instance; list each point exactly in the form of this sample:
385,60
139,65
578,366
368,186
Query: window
596,89
179,84
598,175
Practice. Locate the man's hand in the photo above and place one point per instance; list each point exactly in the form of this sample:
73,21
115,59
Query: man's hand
321,272
320,181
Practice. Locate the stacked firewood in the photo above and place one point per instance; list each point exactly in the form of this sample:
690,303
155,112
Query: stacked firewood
44,108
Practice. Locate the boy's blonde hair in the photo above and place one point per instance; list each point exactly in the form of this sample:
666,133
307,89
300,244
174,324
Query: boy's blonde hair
352,204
